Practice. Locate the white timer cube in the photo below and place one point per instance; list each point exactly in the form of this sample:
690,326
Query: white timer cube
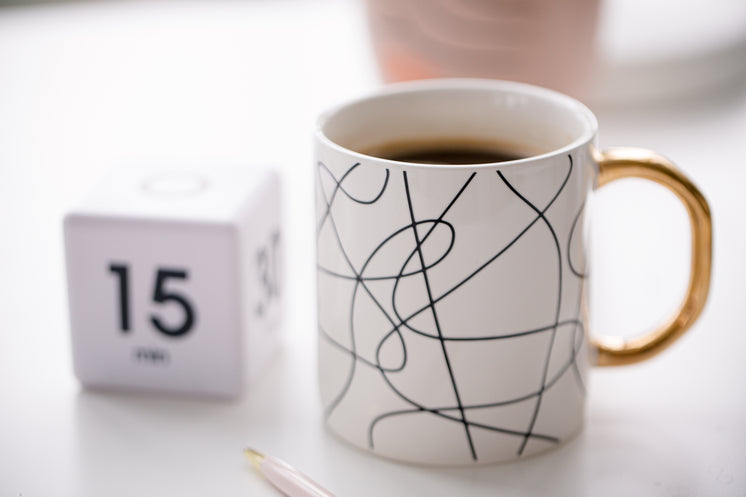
173,279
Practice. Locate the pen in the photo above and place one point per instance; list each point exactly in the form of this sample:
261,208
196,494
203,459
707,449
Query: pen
286,478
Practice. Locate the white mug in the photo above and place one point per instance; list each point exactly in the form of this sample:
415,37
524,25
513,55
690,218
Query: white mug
451,298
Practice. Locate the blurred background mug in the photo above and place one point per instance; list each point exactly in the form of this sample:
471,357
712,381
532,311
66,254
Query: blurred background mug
452,262
543,42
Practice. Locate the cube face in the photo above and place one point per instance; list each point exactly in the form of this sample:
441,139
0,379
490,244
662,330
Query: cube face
154,305
261,256
162,303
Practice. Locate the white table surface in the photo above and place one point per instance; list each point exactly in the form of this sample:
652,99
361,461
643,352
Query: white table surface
87,86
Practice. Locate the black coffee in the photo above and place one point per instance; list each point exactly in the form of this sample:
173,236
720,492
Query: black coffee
448,152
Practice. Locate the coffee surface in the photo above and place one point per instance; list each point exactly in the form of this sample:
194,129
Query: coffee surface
449,152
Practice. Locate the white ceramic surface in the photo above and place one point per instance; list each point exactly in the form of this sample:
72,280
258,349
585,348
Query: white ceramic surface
450,298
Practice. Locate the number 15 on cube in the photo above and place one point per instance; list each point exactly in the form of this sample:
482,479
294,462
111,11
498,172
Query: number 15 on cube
160,295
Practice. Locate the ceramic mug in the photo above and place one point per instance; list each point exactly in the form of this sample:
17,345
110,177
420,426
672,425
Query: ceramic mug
451,298
542,42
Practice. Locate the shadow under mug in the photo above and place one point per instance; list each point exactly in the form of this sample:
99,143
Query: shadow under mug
451,298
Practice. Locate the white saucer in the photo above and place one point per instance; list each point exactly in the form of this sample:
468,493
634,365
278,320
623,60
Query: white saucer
668,48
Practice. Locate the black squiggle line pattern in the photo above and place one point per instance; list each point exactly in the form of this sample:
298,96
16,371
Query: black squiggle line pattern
576,343
418,247
559,301
575,271
415,266
338,187
328,199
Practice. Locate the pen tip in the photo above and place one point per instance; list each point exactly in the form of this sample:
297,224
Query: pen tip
254,456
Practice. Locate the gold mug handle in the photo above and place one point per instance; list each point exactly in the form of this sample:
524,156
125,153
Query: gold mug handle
618,163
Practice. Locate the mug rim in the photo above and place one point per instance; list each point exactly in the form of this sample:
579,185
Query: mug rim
589,132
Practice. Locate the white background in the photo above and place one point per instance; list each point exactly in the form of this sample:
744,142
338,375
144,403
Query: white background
85,87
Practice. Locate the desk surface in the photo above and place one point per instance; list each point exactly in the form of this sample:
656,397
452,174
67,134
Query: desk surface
86,86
